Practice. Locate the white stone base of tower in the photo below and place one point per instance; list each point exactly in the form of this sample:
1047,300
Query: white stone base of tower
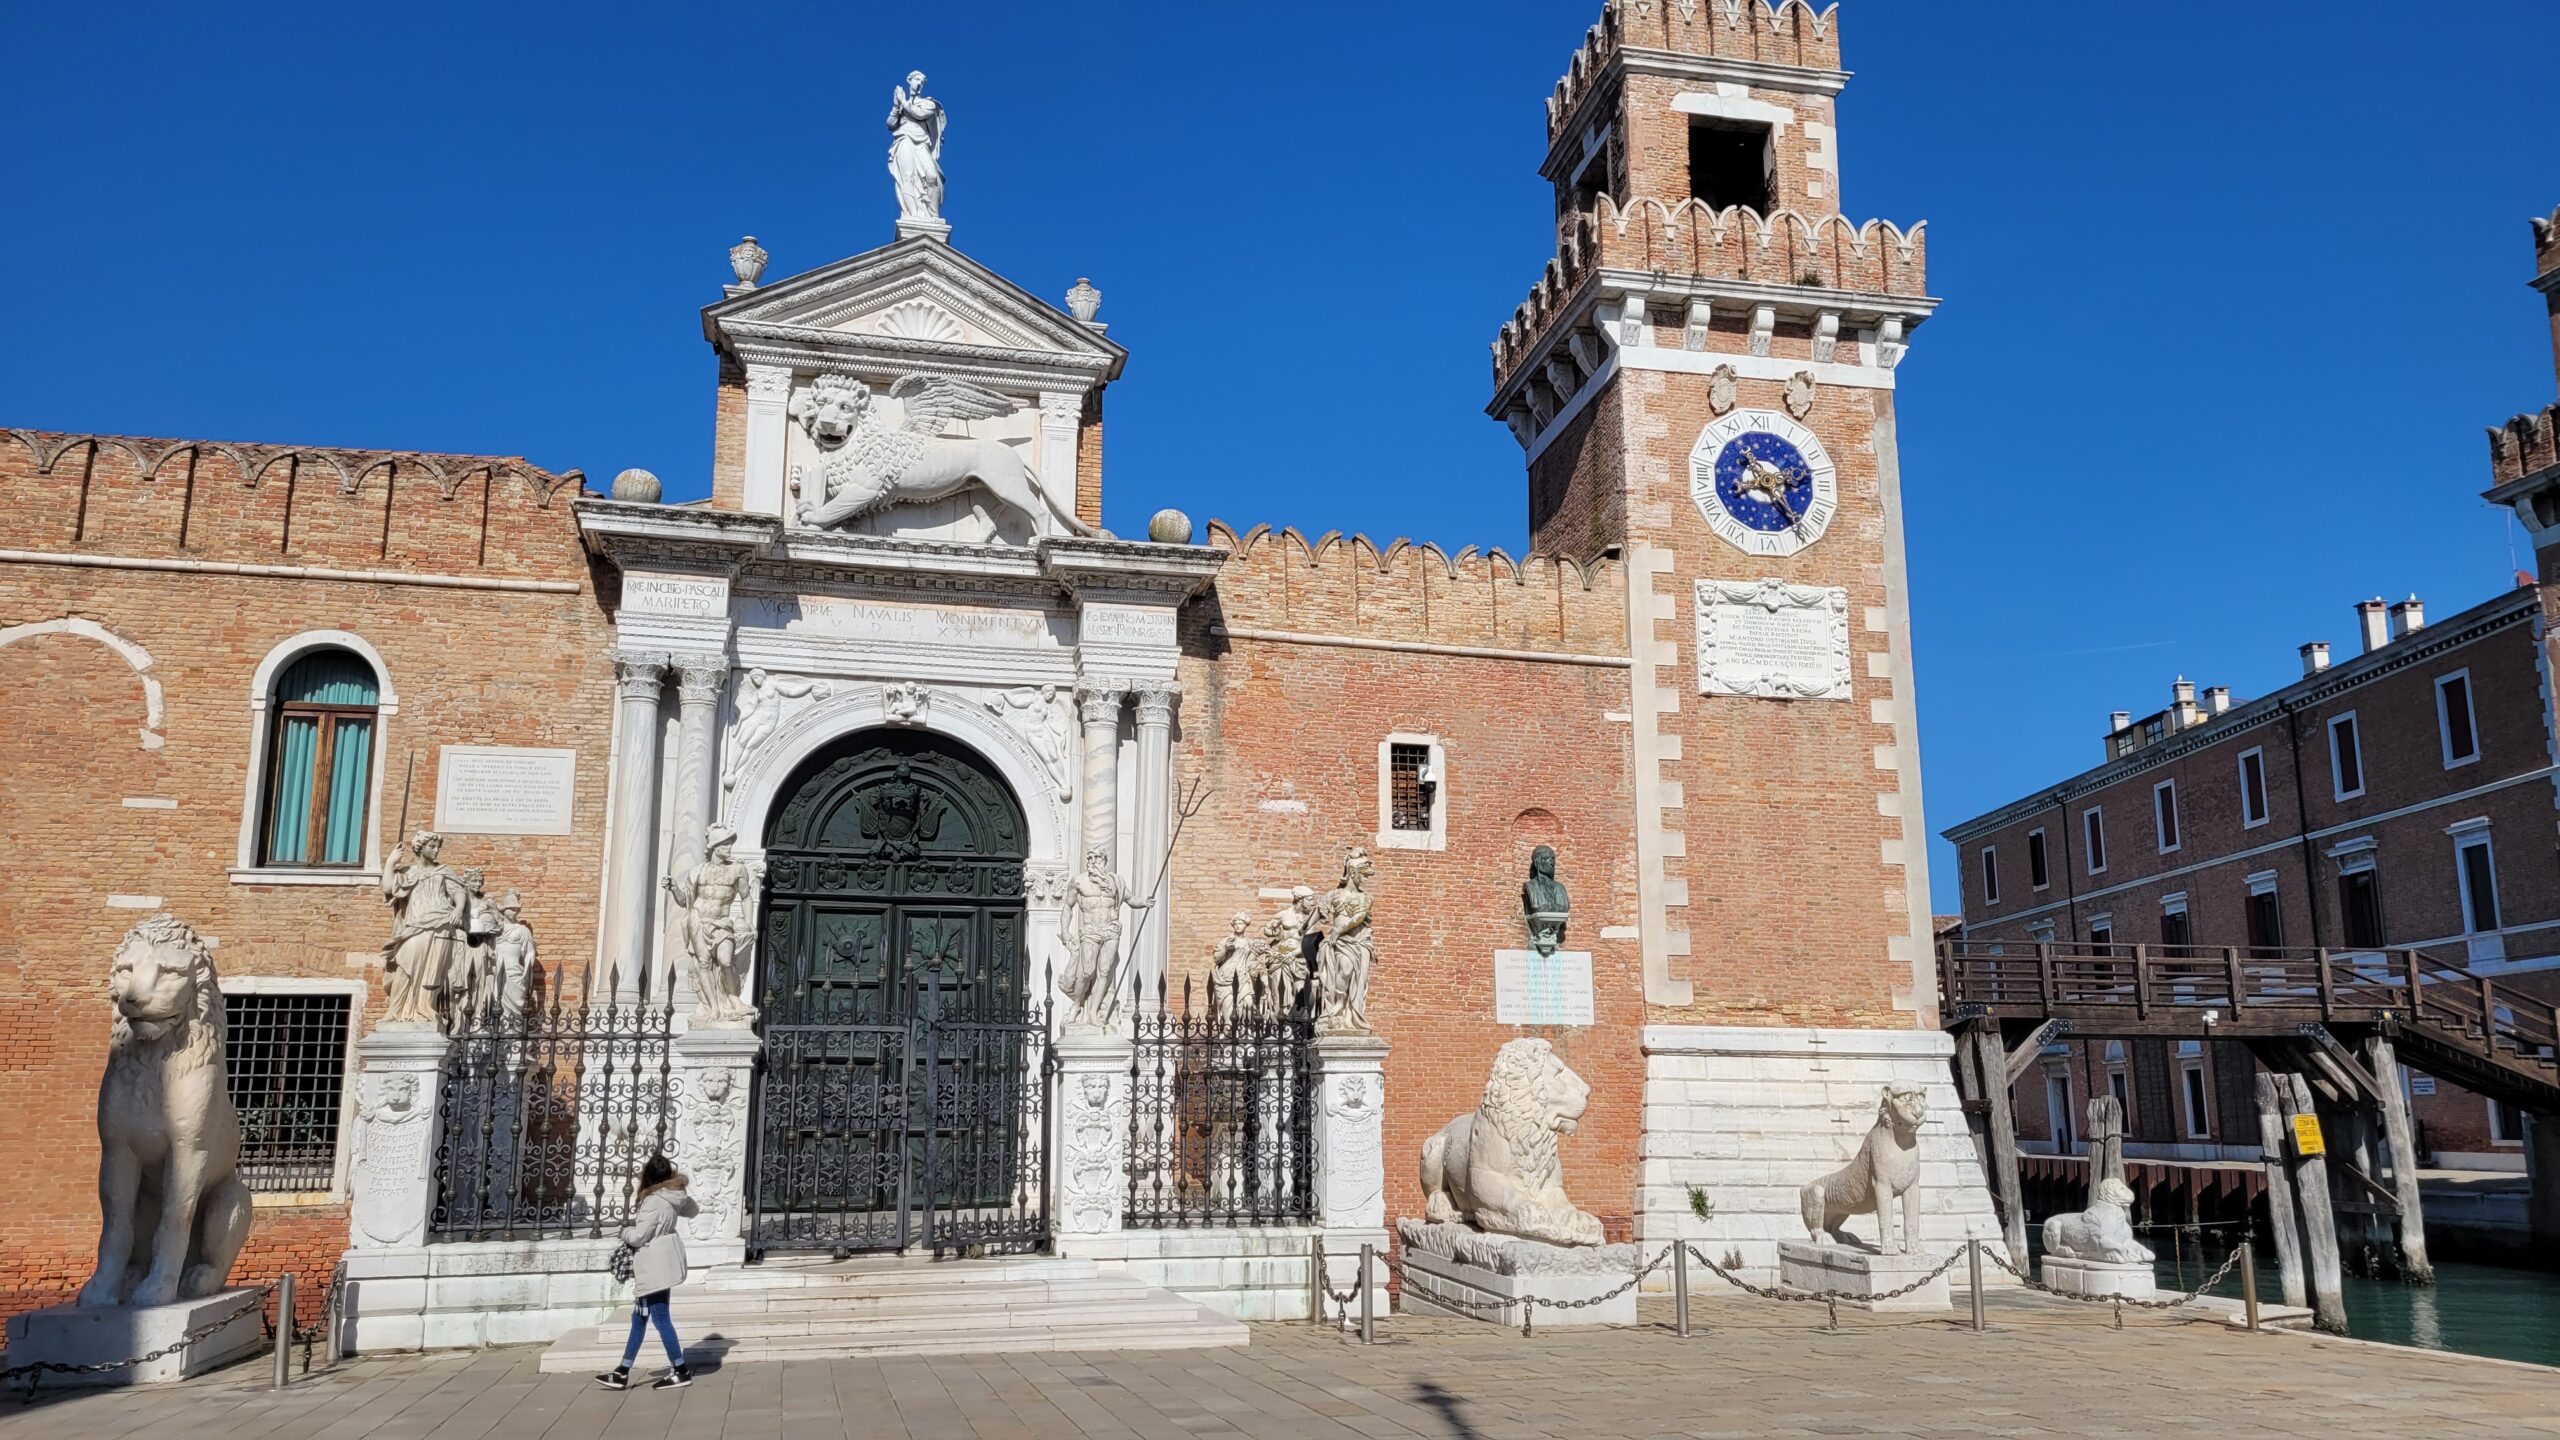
1745,1116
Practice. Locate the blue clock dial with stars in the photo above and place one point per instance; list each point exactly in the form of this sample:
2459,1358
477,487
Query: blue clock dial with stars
1763,482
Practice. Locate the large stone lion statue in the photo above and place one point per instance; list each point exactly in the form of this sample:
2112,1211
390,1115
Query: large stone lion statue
175,1214
1887,1166
2104,1231
1496,1169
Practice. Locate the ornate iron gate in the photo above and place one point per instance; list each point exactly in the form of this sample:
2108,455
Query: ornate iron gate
905,1078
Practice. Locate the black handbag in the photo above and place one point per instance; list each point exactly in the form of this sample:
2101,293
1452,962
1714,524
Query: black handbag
620,1264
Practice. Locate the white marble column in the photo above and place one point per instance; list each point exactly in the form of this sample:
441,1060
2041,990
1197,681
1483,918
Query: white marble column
1061,425
1154,828
639,678
768,403
1098,710
699,681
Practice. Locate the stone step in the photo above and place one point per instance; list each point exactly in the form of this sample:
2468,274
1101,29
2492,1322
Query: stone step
1207,1332
815,1299
1169,1310
892,1275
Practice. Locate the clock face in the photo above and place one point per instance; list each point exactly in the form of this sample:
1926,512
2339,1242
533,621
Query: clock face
1763,482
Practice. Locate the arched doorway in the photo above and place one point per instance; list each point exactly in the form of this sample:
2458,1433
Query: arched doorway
899,1099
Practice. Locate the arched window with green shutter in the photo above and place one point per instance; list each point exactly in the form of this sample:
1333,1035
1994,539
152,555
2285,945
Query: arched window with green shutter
326,717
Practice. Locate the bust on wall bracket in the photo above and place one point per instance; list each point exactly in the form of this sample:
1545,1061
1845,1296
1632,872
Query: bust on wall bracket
1763,482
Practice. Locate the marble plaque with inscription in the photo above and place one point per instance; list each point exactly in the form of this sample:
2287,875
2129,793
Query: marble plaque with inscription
904,624
1534,989
1773,640
705,597
505,790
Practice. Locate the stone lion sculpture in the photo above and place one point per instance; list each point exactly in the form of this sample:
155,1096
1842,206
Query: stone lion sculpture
1886,1166
864,465
2104,1231
175,1214
1497,1169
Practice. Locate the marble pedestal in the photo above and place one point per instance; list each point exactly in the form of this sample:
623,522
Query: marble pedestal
70,1335
1453,1270
1861,1275
2133,1280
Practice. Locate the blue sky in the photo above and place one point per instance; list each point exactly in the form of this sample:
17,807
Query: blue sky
2230,292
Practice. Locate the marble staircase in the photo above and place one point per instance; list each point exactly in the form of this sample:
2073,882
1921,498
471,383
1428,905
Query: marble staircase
815,1309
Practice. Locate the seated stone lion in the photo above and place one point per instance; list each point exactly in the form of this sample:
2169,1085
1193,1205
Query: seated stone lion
1497,1169
2104,1231
175,1214
1887,1166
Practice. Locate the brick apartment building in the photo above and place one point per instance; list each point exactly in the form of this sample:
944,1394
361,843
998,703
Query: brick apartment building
2401,792
235,670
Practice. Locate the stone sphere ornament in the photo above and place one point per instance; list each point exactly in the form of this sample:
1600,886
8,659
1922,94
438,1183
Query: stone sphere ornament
638,487
1170,527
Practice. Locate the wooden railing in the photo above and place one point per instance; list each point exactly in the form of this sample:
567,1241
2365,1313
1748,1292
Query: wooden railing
2252,988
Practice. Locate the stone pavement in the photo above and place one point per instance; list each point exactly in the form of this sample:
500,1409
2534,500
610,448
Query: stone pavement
1753,1370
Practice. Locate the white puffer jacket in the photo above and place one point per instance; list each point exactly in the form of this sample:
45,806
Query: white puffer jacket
656,1241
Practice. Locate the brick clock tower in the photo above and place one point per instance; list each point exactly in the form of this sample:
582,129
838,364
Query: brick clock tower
1703,379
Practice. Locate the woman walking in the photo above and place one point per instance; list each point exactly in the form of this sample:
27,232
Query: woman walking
657,1266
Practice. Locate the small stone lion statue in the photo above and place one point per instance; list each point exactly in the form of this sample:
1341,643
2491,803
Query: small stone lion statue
175,1214
1497,1169
1887,1165
2104,1231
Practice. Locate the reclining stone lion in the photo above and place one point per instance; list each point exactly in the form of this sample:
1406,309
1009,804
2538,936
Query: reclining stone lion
175,1214
2104,1231
1497,1168
1886,1166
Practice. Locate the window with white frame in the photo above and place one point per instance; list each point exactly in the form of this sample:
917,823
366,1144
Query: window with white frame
2454,722
2506,1124
2093,830
1413,807
2191,1088
2177,932
2057,1106
2040,932
2264,919
1990,875
319,704
287,1050
2253,788
2102,929
2346,758
2475,866
2117,1083
2164,814
2039,875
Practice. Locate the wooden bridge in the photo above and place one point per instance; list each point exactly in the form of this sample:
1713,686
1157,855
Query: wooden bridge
2330,1028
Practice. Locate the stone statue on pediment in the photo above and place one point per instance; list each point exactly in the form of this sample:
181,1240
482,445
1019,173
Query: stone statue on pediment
916,127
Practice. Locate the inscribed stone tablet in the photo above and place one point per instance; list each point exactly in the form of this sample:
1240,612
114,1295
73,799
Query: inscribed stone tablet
504,790
1534,989
1772,640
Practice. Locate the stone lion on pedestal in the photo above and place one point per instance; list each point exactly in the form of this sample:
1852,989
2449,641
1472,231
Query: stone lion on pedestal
2104,1231
1497,1169
175,1213
1887,1167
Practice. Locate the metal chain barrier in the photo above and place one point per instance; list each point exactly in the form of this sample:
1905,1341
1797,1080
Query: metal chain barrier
304,1336
1830,1298
2170,1302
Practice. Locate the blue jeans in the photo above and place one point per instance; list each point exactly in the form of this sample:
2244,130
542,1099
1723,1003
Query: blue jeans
652,1306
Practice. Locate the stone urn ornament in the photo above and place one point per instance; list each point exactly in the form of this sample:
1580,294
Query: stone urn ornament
746,261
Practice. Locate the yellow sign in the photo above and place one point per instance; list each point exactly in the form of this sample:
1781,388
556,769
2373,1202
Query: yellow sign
2306,1136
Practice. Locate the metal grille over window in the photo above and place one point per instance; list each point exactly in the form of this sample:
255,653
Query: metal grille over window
1222,1095
287,1060
1409,787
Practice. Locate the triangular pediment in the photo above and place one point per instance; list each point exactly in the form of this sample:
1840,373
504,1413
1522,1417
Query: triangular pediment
916,297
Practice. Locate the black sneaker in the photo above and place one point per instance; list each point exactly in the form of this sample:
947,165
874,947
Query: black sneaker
617,1379
675,1379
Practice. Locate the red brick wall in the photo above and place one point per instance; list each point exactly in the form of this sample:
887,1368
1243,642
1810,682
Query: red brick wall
729,439
468,665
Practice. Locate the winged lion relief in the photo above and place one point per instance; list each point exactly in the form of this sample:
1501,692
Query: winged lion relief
866,465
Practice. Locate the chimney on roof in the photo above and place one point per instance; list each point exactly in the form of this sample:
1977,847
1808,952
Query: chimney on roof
2217,699
2407,616
2118,719
2182,704
2315,657
2370,619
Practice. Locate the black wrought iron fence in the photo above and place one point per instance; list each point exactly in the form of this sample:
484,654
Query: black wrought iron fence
1222,1100
546,1115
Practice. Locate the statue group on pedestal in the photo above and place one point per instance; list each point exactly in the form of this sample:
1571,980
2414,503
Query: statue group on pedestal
452,949
1263,978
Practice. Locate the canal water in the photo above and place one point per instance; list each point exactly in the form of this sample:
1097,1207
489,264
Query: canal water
2475,1309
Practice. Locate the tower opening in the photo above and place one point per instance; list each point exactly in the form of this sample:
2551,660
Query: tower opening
1730,163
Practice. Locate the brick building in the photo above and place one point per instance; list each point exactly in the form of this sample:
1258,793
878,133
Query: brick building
579,692
2400,793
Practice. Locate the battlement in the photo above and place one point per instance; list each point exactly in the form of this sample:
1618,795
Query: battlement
1420,594
2525,445
1694,240
1766,32
219,501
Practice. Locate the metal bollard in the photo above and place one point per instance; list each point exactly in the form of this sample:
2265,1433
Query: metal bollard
2249,1281
1973,1270
284,1329
1680,1286
1368,1306
1315,1281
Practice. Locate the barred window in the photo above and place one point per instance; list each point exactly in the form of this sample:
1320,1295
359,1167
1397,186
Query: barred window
287,1056
1408,794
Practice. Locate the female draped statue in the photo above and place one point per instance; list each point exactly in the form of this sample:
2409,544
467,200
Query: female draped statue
916,126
